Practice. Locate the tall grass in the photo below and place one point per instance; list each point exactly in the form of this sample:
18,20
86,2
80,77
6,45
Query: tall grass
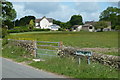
16,53
69,67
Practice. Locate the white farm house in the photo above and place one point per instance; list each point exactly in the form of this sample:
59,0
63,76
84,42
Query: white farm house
46,23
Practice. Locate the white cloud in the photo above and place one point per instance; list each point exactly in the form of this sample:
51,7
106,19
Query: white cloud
64,0
87,6
88,10
62,12
21,12
53,10
42,7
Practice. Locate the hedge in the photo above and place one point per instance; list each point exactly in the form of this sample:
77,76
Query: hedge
26,30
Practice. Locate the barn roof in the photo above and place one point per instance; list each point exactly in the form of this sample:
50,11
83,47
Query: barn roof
87,25
75,26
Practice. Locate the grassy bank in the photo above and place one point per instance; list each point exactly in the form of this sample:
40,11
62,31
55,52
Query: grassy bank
68,67
16,53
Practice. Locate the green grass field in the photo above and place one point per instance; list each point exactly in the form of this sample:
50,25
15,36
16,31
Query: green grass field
74,39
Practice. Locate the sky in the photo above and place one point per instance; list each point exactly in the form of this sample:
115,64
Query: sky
61,11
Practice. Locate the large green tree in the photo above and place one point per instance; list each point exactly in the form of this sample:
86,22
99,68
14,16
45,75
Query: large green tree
8,13
111,14
76,20
24,21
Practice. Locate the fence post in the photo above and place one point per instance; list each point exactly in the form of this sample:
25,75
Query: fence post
60,44
34,49
88,59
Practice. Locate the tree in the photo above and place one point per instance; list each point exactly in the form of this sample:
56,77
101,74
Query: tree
68,25
100,25
4,32
24,21
117,27
9,23
76,20
56,22
31,24
8,13
64,25
16,22
111,14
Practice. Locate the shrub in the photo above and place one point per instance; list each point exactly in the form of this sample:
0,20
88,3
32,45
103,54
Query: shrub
4,32
13,31
117,27
4,41
31,24
18,30
41,29
61,29
0,32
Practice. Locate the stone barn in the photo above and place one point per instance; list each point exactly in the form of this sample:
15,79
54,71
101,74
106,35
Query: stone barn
88,27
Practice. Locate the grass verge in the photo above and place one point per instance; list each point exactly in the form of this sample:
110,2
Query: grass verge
68,67
16,53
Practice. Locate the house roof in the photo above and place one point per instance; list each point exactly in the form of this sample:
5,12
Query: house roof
87,25
90,22
93,22
50,19
38,20
75,26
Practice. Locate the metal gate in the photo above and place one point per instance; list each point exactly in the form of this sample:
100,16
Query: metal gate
46,50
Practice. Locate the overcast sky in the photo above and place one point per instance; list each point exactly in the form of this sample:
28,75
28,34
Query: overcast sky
62,10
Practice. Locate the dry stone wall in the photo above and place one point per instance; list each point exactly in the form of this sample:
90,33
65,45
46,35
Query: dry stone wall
109,60
27,44
112,61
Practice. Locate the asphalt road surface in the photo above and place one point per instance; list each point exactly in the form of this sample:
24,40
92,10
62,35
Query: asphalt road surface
12,69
